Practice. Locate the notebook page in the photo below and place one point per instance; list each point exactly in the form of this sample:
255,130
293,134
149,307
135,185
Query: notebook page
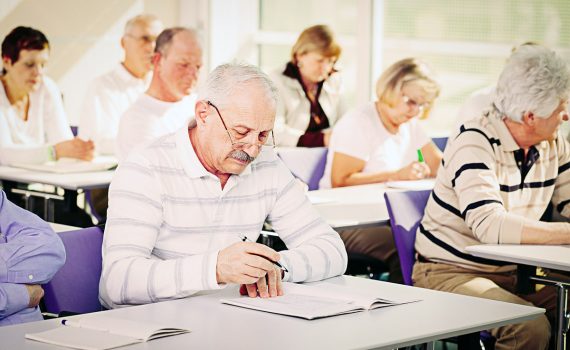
139,330
297,305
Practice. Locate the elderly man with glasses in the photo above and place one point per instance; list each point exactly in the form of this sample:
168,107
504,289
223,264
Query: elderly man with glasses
111,94
183,209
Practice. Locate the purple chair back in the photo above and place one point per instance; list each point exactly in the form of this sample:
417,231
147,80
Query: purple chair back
306,164
440,142
406,209
75,287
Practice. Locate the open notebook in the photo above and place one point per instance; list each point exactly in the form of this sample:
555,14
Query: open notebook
312,302
100,332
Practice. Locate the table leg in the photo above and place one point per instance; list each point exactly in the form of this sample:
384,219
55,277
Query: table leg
562,317
524,282
469,341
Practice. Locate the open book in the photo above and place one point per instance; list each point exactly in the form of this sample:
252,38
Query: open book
312,302
68,165
99,332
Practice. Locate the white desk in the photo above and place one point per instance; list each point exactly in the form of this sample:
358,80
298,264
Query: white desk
72,181
358,206
62,228
218,326
546,256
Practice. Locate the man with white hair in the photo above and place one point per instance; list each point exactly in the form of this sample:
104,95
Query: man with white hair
109,95
185,210
499,173
168,103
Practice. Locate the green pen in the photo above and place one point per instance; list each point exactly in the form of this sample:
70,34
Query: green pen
420,156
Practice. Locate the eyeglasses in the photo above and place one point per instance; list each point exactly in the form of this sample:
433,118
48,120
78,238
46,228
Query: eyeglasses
262,136
414,104
145,39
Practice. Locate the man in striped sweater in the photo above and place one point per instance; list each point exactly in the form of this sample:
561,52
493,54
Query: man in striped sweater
498,176
180,207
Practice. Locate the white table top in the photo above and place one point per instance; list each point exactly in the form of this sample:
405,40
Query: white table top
547,256
357,206
62,228
72,181
219,326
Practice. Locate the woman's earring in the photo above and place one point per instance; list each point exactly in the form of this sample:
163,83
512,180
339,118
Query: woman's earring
299,65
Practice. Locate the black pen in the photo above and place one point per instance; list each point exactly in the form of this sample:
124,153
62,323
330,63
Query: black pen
245,239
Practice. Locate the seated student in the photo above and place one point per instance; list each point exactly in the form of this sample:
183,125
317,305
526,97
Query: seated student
310,100
167,104
33,124
499,174
109,95
178,206
30,254
378,142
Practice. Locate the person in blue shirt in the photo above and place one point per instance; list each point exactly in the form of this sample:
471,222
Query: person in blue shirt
30,254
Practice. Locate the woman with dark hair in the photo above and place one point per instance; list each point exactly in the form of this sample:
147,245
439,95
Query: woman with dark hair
310,100
33,123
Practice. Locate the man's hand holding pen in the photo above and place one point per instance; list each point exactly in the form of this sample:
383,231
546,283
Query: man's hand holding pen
253,265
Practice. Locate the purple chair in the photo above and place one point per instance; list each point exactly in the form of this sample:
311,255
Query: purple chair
406,210
306,164
440,142
75,287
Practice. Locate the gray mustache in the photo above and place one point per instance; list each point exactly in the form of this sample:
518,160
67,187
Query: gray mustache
242,156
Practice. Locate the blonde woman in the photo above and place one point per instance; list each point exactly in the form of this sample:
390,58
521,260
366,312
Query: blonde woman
309,90
378,142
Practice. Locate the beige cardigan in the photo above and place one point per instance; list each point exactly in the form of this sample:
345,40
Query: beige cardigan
293,107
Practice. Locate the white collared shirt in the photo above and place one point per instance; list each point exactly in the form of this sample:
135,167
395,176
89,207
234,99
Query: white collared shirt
107,98
169,217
